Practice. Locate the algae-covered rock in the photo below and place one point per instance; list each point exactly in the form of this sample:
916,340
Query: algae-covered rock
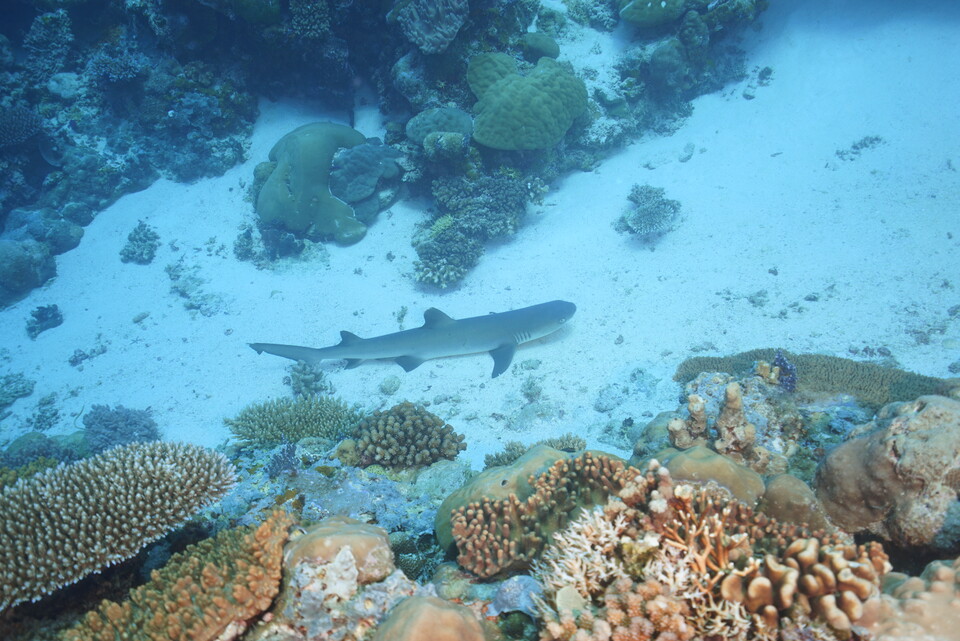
296,195
529,112
651,14
538,45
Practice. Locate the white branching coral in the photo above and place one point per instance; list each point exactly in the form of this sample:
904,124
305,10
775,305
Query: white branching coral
583,555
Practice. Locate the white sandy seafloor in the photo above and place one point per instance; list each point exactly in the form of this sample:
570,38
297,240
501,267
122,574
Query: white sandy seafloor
875,240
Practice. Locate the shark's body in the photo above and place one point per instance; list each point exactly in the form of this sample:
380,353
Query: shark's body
440,336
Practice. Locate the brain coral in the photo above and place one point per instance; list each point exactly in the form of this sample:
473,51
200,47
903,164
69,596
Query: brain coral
67,522
211,587
406,435
528,112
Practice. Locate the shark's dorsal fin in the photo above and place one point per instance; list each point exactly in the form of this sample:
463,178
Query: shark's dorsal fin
502,357
434,318
348,338
408,363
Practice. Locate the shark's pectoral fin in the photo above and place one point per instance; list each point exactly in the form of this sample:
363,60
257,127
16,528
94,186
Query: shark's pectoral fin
408,363
502,357
353,362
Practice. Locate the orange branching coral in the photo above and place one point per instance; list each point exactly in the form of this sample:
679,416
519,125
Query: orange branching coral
498,536
209,591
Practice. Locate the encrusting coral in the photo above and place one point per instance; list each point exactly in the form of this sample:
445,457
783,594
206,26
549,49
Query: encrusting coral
209,591
872,384
70,521
288,420
681,562
406,436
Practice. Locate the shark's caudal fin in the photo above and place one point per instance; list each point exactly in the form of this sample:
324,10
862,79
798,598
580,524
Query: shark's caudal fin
293,352
502,357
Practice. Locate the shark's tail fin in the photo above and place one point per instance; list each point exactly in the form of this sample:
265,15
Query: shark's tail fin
293,352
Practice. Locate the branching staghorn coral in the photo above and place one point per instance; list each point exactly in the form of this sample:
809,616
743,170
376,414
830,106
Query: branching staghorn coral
70,521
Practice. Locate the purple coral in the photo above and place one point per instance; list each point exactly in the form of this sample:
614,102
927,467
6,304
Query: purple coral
787,379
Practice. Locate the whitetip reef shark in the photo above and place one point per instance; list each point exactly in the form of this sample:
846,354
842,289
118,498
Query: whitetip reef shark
439,336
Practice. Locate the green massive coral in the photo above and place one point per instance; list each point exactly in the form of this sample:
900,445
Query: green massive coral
517,112
296,195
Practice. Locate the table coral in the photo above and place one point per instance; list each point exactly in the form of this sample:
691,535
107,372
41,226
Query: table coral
212,588
65,523
406,436
897,476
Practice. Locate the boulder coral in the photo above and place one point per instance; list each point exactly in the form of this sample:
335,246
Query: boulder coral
897,476
296,195
517,112
428,618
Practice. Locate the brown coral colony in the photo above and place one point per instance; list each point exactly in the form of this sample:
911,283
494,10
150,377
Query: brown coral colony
406,436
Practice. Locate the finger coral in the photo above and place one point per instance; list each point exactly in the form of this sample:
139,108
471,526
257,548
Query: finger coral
70,521
212,588
405,436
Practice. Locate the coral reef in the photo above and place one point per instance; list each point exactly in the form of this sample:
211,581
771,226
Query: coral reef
339,582
418,618
499,535
14,386
289,420
24,265
662,559
898,476
142,244
209,591
406,436
43,318
923,607
106,428
431,25
63,524
436,120
873,385
528,112
650,215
